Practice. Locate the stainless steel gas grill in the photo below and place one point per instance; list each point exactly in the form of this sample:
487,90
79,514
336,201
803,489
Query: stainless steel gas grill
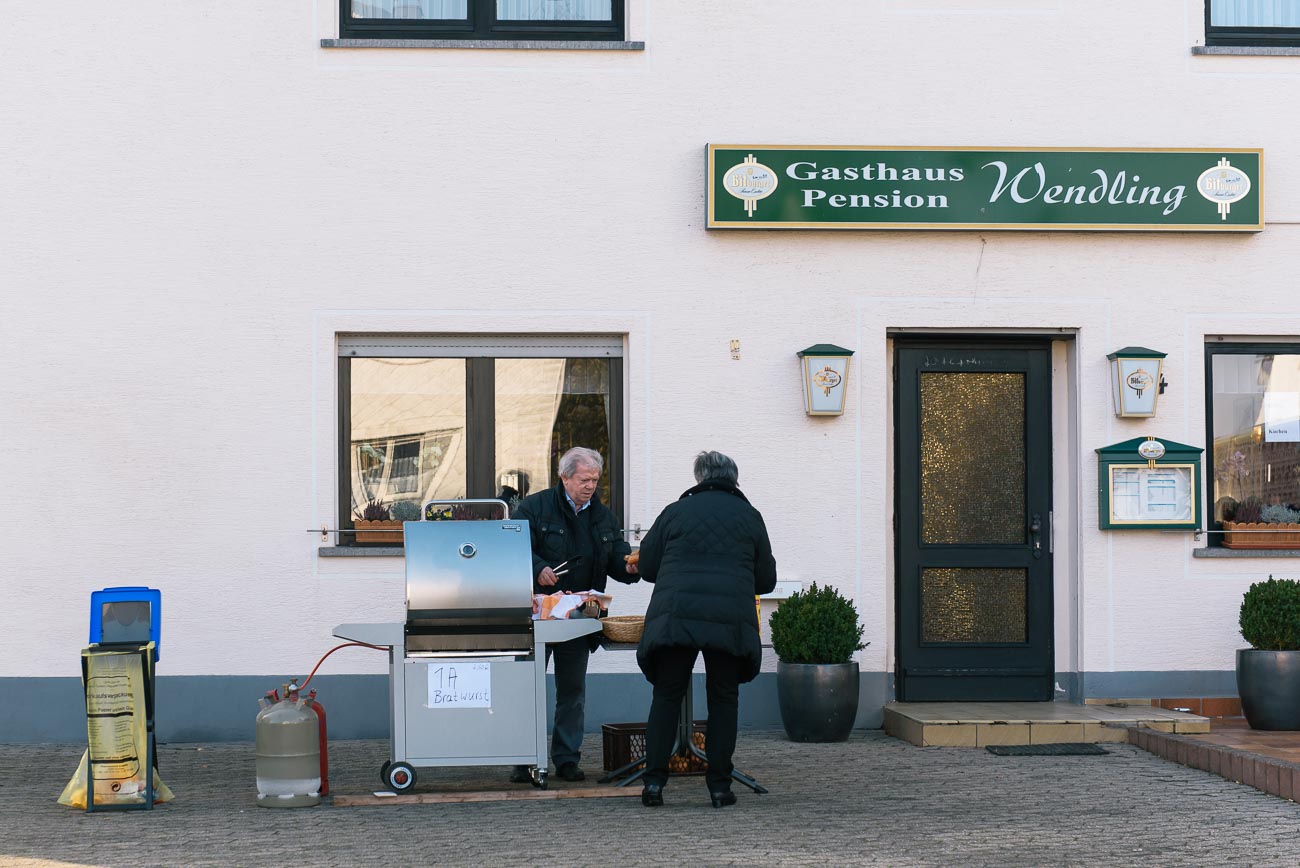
467,683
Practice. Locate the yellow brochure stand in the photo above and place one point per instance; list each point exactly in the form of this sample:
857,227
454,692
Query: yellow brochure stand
117,772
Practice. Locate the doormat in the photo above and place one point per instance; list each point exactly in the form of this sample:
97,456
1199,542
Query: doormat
1062,749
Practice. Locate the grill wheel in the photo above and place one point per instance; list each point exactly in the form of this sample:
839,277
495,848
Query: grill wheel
399,776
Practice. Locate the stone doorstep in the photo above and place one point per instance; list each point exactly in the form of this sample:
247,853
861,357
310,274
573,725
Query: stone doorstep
981,732
1274,776
999,733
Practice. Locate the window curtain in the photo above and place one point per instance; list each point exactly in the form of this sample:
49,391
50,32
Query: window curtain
528,395
588,377
1255,13
433,9
554,10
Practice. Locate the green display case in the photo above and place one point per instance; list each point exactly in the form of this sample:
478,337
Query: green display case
1149,484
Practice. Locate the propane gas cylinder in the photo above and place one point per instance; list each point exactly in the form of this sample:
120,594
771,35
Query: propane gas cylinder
288,753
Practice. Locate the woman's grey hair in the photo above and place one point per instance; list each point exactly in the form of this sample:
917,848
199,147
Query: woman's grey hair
570,460
715,465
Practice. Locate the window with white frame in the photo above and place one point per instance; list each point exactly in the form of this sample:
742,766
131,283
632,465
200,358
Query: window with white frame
1253,432
467,416
598,20
1252,22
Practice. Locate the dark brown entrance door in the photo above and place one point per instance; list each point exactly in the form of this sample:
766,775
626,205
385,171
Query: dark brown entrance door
972,520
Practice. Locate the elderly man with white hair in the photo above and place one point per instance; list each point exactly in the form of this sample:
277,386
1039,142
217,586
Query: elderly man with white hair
571,527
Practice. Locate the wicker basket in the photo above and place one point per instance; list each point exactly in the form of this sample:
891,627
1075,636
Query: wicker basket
623,628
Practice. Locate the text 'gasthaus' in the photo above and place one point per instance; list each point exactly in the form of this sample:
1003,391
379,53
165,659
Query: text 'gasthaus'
878,172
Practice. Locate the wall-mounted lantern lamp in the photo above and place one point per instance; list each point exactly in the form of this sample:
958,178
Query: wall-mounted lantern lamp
825,379
1136,379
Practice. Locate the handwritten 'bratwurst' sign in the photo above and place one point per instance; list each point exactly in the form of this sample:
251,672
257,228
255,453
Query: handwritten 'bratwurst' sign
812,187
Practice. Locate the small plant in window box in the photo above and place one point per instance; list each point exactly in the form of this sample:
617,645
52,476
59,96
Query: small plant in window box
375,524
1253,524
480,510
404,510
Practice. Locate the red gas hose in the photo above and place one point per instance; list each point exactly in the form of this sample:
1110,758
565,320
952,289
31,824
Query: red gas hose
335,648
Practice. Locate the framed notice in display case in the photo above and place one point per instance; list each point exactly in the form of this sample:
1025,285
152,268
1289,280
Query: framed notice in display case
1146,483
1144,495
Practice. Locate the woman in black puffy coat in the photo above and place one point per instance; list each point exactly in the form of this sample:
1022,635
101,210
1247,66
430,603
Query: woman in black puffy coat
708,555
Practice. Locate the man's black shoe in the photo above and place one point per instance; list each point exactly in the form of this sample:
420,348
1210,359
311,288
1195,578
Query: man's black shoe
570,772
520,775
722,798
652,795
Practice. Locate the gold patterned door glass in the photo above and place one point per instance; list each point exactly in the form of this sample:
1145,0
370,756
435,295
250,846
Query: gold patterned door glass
972,458
973,605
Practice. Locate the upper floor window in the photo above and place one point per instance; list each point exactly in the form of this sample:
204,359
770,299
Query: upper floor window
482,19
1252,22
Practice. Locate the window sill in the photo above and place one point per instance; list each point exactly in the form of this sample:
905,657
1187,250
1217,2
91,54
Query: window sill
1218,552
1249,50
361,551
529,44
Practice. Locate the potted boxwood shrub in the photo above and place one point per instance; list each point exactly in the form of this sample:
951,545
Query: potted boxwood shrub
1268,673
814,634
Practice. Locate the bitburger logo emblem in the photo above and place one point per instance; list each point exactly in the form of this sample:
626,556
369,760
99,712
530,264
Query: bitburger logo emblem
1151,449
826,379
1139,381
1223,184
749,181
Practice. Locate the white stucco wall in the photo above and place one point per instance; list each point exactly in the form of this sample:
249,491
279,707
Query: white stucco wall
194,200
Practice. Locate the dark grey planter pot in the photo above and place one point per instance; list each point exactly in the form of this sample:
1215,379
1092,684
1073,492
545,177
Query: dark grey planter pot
1269,685
819,701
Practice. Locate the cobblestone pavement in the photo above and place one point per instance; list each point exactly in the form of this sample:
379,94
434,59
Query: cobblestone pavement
874,800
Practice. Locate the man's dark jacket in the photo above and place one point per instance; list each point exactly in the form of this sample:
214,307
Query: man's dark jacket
708,555
593,538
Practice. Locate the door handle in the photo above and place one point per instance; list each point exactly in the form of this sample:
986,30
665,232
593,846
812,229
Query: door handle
1036,535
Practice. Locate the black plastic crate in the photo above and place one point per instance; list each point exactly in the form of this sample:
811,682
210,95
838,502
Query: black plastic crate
624,742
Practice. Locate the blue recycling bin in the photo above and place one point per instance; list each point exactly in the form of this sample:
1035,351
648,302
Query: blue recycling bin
126,616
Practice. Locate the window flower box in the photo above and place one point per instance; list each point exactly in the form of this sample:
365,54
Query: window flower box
386,531
1260,535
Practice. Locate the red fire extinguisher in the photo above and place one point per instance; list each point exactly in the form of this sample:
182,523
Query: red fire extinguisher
324,755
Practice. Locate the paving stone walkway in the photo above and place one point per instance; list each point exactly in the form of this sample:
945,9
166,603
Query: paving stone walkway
874,800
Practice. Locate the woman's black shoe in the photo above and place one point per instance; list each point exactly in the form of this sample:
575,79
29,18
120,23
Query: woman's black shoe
652,795
721,799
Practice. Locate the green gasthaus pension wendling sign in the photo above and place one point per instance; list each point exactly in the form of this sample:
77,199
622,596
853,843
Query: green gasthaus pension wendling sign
816,187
